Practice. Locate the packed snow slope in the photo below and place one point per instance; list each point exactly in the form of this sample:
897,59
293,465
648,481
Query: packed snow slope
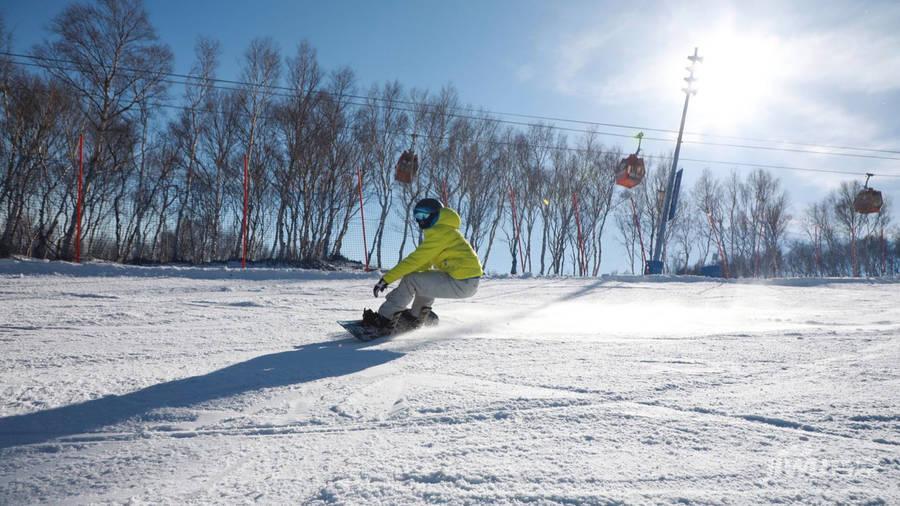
183,386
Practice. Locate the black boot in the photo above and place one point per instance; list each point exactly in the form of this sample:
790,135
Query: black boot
383,325
427,317
406,321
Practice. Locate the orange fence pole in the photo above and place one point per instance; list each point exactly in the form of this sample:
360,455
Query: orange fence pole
362,219
246,209
79,206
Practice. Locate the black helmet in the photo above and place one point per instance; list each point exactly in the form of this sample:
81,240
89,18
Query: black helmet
427,212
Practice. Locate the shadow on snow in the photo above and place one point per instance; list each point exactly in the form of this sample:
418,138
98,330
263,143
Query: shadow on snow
306,363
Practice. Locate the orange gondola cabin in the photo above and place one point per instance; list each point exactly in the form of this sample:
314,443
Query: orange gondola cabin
868,200
407,167
631,169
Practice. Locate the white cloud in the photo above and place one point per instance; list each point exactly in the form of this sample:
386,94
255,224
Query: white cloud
783,71
793,71
826,122
852,58
583,59
626,56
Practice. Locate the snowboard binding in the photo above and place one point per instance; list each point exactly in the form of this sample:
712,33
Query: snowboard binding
373,325
406,321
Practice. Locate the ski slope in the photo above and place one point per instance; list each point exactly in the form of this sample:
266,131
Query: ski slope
166,385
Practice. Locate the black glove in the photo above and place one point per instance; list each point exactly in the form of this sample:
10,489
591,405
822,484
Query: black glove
380,287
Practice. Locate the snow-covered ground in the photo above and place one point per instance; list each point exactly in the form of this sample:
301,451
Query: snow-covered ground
166,385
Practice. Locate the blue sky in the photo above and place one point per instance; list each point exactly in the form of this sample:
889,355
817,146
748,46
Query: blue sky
813,72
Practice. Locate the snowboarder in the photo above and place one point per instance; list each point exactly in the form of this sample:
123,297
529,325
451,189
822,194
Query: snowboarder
443,266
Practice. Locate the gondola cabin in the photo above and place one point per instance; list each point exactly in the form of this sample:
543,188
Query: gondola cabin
868,201
631,171
407,167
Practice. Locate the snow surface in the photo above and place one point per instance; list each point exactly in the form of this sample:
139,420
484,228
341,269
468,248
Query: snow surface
172,385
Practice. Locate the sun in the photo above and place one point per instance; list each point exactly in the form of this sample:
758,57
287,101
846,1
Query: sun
738,81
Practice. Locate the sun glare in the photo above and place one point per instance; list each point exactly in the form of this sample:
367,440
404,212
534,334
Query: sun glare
738,79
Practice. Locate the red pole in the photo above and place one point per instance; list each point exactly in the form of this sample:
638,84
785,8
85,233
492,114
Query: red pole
246,208
444,193
79,206
512,203
362,219
581,258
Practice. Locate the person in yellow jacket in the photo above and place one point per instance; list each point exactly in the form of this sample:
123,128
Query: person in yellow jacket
443,266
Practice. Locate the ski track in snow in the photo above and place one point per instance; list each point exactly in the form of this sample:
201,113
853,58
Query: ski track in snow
168,385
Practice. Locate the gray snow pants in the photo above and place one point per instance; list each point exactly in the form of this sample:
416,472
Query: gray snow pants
422,288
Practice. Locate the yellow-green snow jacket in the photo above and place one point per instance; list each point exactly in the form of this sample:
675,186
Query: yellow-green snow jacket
444,249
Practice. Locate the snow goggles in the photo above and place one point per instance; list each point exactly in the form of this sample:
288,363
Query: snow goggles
425,218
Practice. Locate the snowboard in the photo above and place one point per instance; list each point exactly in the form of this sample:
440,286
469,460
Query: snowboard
360,331
365,333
